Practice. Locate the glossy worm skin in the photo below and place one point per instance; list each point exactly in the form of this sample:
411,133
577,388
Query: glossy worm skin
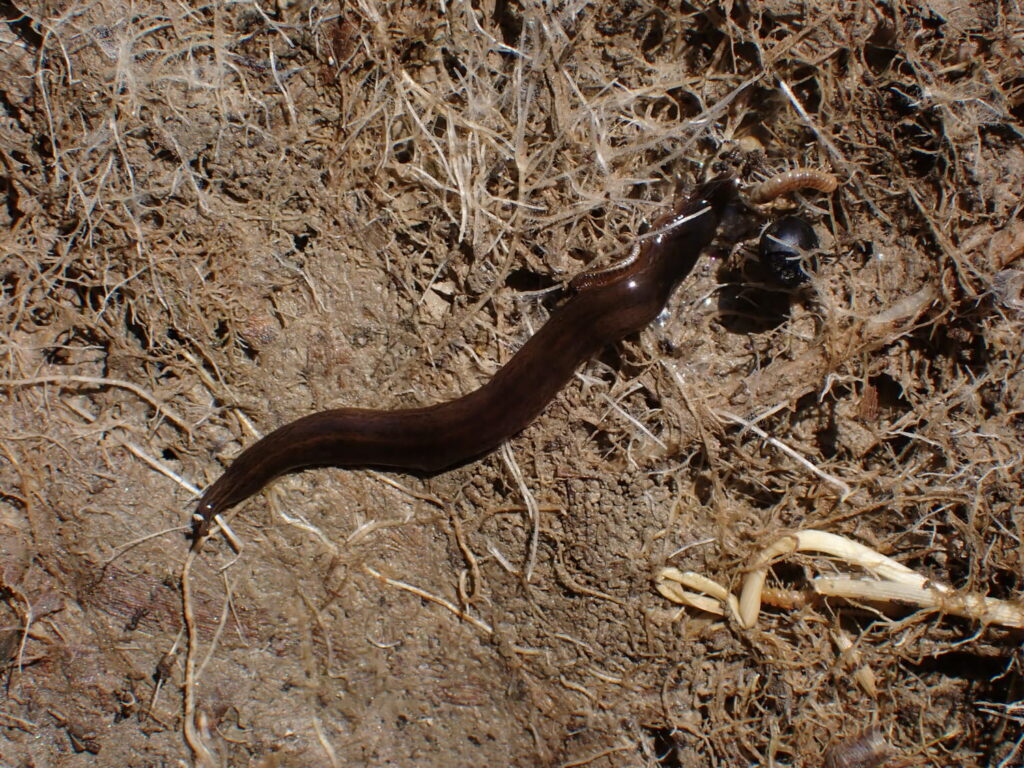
790,181
609,305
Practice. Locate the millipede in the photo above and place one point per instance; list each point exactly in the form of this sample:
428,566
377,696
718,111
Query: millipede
790,181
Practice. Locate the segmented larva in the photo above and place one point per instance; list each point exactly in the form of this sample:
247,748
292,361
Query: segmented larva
867,749
789,181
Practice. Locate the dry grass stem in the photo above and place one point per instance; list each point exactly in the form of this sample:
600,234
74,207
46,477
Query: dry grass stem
462,615
845,490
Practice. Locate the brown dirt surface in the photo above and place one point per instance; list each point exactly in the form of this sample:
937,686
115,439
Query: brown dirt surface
219,217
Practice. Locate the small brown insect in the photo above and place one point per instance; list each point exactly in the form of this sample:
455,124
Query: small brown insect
867,409
790,181
867,749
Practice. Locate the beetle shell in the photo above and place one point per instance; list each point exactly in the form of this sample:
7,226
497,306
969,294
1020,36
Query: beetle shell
785,248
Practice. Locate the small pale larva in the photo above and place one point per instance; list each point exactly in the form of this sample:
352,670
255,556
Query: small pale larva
867,749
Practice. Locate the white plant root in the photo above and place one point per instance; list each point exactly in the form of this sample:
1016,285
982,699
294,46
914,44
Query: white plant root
893,582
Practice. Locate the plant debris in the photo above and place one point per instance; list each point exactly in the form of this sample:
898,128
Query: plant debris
217,218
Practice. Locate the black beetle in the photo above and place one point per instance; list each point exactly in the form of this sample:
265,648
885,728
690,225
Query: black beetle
785,249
